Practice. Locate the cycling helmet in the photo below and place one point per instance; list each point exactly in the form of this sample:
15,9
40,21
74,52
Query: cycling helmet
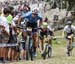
69,23
44,25
35,11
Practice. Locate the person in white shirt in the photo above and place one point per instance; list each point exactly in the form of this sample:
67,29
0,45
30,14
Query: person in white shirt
4,28
4,23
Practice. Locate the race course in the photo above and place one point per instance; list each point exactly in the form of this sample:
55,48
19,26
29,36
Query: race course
59,55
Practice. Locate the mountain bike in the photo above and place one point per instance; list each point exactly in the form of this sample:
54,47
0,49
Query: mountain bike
70,45
48,49
29,44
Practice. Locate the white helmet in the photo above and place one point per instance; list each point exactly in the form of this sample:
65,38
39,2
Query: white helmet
35,11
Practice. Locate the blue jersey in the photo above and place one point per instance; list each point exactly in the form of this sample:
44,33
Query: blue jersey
30,18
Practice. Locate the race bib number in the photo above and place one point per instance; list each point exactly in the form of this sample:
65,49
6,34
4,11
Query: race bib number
29,29
69,36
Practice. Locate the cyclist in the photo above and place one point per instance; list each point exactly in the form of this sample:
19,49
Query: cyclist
45,31
32,17
69,31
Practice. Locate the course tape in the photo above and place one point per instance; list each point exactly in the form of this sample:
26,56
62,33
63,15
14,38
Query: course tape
58,37
16,44
8,45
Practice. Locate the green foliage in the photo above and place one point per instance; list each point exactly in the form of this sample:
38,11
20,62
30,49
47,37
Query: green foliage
71,4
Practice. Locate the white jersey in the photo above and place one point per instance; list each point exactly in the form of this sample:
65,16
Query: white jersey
68,29
49,27
4,22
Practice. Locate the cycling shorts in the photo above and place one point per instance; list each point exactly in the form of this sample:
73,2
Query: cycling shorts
42,34
33,26
49,33
68,34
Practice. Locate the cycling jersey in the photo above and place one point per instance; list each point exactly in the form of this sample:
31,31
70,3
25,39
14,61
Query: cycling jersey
46,32
32,22
30,18
69,30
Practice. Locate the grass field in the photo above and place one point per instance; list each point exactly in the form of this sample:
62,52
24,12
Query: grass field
59,55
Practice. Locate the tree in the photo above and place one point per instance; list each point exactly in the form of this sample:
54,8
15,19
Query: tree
71,4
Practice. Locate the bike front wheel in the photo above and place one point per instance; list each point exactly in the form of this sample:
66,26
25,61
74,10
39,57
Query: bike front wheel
49,52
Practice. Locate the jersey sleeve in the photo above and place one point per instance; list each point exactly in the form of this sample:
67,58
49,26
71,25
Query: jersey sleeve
73,27
26,15
40,16
65,28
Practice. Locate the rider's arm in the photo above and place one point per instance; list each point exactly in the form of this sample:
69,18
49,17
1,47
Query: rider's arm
23,17
64,31
51,30
73,27
40,18
19,20
40,22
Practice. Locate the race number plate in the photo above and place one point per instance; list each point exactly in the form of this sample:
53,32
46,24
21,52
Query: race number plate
29,29
69,36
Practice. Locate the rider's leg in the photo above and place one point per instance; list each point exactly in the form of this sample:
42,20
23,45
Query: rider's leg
42,41
49,39
42,45
71,42
69,47
35,41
